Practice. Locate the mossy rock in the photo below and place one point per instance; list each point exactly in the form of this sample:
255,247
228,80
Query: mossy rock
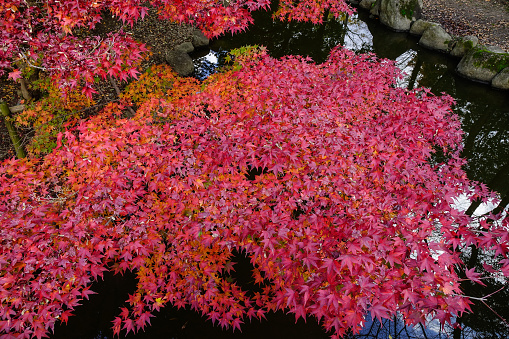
375,10
399,14
420,26
493,61
199,39
482,64
463,45
180,61
186,47
409,8
367,4
436,38
501,80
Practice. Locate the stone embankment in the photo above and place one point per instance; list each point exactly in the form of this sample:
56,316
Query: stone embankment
483,63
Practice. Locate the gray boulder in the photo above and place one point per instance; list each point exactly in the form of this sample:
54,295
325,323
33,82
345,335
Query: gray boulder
482,64
399,14
494,49
501,80
186,47
367,4
199,39
463,45
420,26
436,38
180,61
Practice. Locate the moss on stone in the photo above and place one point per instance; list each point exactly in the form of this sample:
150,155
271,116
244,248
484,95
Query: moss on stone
407,8
469,44
493,61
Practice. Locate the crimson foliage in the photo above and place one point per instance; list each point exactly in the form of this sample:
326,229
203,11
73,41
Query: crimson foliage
350,211
41,34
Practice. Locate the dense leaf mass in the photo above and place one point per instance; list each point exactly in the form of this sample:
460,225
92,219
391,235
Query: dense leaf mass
44,34
328,177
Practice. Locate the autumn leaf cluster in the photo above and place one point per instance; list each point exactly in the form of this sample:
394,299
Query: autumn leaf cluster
337,185
51,114
58,36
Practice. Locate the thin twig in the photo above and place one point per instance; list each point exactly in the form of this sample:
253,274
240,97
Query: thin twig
492,310
478,298
500,289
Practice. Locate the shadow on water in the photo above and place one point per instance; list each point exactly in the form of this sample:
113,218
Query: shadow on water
485,118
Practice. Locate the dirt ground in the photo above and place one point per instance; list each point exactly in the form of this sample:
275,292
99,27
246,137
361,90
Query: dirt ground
486,19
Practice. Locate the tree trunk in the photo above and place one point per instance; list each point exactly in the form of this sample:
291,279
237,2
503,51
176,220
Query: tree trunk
24,90
20,152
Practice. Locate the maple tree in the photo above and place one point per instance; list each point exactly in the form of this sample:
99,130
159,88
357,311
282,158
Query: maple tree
336,184
50,115
41,34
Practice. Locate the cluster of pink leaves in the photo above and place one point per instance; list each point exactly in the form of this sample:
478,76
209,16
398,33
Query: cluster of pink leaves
41,34
347,216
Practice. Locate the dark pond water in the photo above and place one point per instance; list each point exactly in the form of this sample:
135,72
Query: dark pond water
485,117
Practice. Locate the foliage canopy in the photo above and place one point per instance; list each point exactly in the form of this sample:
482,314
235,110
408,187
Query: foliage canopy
58,35
339,187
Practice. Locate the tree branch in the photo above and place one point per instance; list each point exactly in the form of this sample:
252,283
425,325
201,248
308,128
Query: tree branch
117,90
